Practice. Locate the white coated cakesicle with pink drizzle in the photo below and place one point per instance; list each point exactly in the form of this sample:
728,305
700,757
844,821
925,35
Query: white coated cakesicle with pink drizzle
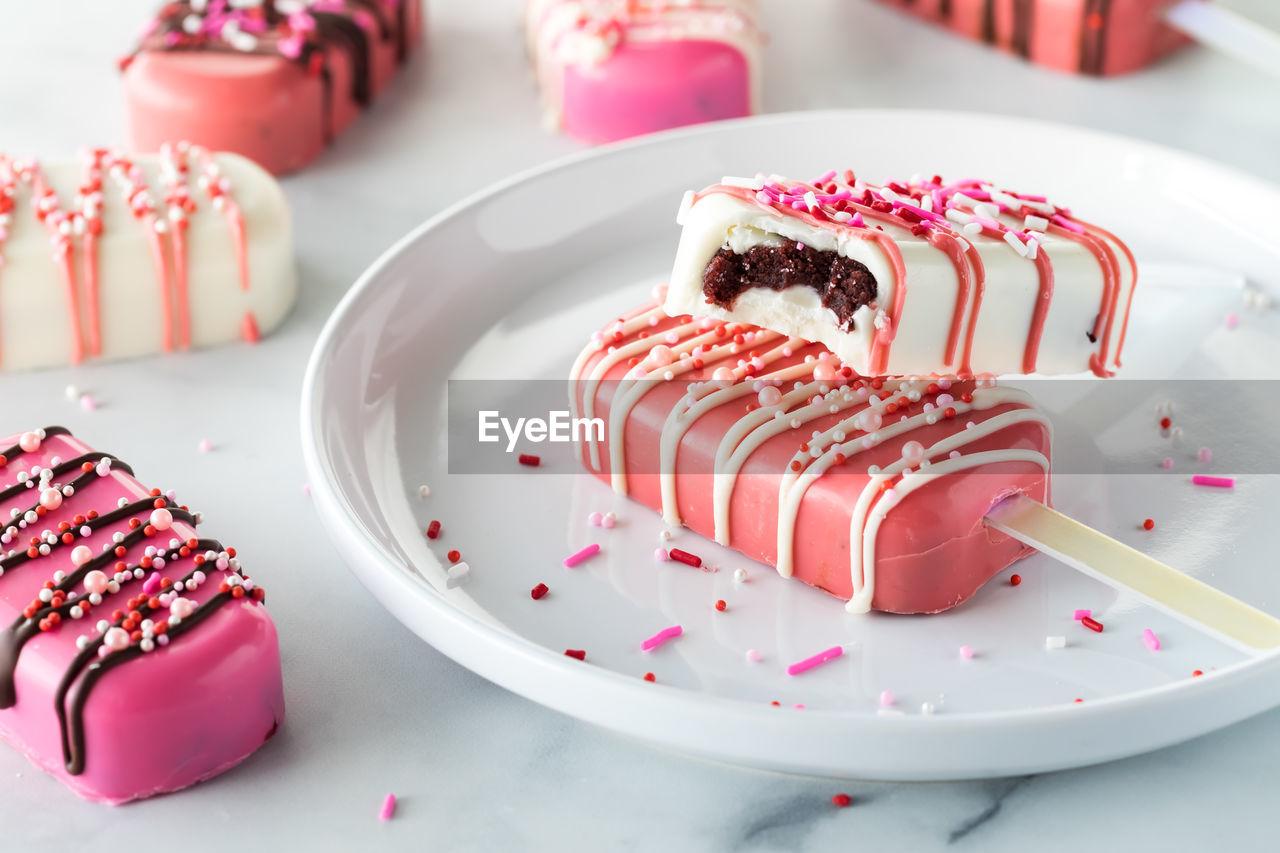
110,257
920,277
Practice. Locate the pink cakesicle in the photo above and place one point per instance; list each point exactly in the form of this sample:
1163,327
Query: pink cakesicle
136,657
1096,37
620,69
273,86
871,489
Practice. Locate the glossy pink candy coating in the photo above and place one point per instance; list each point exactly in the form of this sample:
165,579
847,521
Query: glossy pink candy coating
265,107
177,715
933,550
649,86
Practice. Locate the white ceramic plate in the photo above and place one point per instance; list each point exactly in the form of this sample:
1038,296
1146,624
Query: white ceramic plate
509,283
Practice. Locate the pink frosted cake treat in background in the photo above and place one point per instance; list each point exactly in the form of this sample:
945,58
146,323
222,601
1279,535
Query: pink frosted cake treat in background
1083,36
924,276
871,489
274,81
135,655
114,256
611,69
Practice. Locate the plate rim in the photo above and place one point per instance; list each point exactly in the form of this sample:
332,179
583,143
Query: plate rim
551,679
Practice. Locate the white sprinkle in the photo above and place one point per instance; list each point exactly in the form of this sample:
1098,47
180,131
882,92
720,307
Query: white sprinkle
424,492
740,575
1039,223
1018,245
1055,642
745,183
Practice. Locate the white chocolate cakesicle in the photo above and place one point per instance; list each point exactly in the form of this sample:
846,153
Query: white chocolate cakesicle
963,278
113,257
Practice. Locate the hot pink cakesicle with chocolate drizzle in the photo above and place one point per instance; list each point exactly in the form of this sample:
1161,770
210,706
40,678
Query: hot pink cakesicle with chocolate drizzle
911,277
116,256
871,489
1083,36
274,81
136,657
611,69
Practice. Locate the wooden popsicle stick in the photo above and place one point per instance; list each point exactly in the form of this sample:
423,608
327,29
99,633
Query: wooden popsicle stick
1228,32
1099,556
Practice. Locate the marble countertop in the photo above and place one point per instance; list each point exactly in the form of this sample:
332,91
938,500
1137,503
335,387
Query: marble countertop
372,709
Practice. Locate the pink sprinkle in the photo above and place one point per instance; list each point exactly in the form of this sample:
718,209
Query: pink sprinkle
1232,320
575,559
1150,639
1205,455
753,656
151,584
594,519
1167,463
886,698
1081,614
661,637
660,555
388,808
608,521
88,403
817,660
306,489
205,445
1216,482
966,652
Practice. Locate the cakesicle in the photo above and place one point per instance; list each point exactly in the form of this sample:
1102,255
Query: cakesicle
916,277
273,81
113,257
135,655
1083,36
871,489
610,69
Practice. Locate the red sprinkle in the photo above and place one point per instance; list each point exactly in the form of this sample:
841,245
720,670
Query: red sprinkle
1015,580
1196,673
433,530
720,605
1149,524
841,800
1165,423
454,556
575,653
1092,624
530,459
685,557
538,591
649,676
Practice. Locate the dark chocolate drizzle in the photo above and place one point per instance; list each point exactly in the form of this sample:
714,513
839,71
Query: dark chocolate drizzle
86,667
1093,40
1020,41
989,21
844,285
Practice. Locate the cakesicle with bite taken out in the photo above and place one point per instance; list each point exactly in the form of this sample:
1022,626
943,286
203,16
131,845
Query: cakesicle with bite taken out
915,277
